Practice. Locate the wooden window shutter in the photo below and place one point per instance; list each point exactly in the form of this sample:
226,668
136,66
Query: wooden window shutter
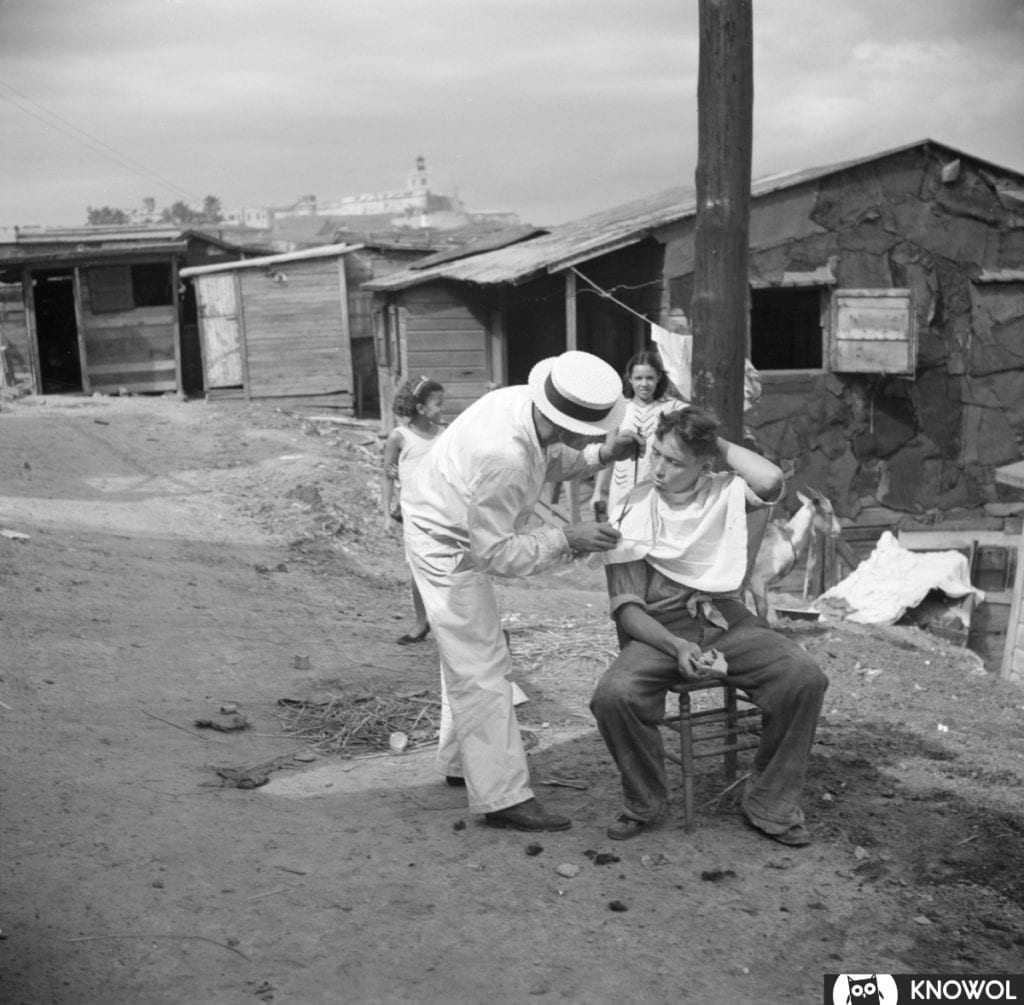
110,288
873,331
380,337
395,339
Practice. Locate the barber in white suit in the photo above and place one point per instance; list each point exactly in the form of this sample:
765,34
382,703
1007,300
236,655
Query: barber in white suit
467,519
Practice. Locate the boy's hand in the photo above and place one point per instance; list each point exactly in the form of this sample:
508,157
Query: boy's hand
695,664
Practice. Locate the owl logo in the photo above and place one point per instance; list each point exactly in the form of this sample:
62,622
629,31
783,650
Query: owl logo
865,989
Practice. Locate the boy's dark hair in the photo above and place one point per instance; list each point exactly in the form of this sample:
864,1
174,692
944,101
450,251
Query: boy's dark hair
651,358
695,428
415,391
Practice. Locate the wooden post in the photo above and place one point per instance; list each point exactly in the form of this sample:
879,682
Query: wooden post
1012,666
179,385
720,312
570,309
497,350
346,337
570,343
31,329
83,358
242,335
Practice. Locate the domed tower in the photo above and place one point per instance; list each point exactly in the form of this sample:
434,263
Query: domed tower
418,186
419,180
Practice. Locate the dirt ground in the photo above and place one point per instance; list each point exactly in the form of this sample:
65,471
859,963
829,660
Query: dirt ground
180,556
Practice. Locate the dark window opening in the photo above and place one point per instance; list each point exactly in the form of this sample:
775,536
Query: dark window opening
785,329
124,287
151,285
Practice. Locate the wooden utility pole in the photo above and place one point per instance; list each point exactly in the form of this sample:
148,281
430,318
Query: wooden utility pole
720,309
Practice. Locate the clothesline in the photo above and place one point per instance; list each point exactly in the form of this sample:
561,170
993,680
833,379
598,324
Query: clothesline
608,296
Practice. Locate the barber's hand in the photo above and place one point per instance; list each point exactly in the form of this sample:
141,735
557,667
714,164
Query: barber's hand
588,537
626,447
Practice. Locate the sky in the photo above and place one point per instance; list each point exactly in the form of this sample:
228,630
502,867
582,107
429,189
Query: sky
551,109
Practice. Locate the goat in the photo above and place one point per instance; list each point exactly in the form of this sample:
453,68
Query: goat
784,544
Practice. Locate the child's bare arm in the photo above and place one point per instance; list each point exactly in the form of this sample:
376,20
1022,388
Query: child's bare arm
603,478
392,448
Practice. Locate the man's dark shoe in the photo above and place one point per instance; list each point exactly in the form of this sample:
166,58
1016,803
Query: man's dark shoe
527,816
455,781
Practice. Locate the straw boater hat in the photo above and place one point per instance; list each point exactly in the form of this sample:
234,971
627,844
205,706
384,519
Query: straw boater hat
578,392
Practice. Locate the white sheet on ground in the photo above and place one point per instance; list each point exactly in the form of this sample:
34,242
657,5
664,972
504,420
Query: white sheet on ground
892,580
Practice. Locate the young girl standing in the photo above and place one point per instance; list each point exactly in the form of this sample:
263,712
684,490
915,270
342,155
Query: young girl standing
420,401
647,389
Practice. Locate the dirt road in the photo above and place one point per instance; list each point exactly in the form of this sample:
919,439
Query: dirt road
177,558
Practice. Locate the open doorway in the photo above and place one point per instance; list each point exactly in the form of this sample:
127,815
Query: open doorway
534,325
60,365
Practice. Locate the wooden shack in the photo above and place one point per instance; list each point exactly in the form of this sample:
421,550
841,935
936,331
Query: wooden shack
294,324
101,309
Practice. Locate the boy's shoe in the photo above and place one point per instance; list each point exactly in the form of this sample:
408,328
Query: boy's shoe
798,836
622,828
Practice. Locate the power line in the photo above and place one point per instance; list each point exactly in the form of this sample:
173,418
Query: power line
96,145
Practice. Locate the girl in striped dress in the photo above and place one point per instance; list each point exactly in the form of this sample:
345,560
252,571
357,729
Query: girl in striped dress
421,401
650,395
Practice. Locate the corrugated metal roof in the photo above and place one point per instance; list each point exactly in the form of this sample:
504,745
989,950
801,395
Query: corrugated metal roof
500,239
605,231
101,234
326,251
12,255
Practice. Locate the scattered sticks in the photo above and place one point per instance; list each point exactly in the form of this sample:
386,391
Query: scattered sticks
362,722
184,729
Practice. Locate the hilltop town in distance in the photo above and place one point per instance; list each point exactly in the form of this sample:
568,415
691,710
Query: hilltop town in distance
415,215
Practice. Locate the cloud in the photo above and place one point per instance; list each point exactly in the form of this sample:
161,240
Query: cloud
551,109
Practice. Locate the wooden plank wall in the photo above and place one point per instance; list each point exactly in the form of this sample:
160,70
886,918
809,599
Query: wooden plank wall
1012,667
14,330
295,337
445,340
134,350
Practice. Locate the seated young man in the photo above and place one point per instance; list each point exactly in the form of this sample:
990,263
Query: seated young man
675,581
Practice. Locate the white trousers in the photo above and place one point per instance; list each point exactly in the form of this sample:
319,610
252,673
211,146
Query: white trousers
480,738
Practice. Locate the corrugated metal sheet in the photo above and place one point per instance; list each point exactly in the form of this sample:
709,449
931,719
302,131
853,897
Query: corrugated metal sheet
11,255
599,233
502,239
1001,276
325,251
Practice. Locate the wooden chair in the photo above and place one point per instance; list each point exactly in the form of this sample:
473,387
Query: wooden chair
726,728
